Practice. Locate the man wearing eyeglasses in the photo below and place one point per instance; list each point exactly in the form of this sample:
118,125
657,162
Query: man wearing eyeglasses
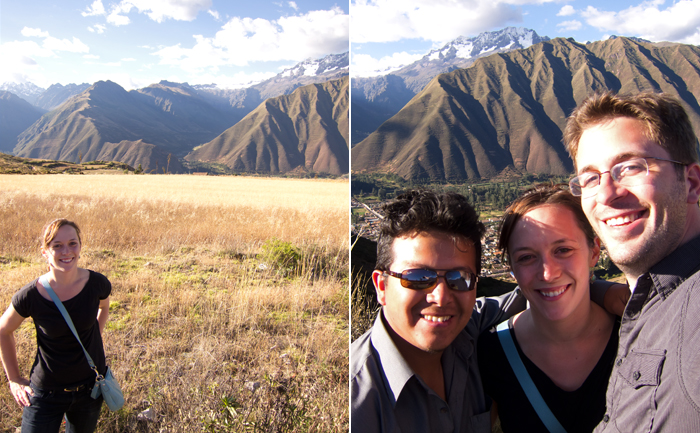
639,181
416,370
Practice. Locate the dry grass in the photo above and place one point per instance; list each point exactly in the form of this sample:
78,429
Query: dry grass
205,331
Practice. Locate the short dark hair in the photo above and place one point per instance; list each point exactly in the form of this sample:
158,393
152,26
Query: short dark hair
667,122
419,211
540,195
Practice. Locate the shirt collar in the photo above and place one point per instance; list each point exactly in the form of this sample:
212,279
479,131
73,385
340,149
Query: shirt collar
396,369
675,268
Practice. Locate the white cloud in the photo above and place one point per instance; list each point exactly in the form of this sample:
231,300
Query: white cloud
19,64
293,5
115,16
565,11
568,26
161,10
214,13
51,44
97,28
434,20
128,59
231,81
96,8
364,65
244,40
19,58
29,32
91,56
74,46
679,22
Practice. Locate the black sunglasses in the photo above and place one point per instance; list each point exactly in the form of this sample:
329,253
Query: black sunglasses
421,279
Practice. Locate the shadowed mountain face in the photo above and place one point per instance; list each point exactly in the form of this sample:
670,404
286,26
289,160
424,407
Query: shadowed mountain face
306,130
105,120
57,94
16,115
243,101
508,110
376,99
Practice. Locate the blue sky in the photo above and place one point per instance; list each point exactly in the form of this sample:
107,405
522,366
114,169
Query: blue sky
139,42
389,33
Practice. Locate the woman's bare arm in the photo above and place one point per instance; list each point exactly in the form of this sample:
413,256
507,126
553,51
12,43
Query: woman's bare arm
103,314
19,386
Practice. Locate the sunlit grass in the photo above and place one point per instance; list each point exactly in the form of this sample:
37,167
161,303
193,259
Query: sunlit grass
203,330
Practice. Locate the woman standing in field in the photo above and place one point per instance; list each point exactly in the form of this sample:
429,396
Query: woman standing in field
61,379
565,342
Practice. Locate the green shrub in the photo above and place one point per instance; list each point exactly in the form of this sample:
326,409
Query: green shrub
281,254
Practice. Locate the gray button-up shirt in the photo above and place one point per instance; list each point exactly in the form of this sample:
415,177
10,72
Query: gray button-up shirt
655,383
387,396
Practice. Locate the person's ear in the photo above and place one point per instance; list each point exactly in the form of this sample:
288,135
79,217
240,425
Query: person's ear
693,182
379,281
595,252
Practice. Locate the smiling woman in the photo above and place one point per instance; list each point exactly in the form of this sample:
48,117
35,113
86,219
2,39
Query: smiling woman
229,302
565,342
61,380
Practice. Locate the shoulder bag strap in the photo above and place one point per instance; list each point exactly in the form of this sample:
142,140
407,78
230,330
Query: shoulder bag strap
538,403
45,282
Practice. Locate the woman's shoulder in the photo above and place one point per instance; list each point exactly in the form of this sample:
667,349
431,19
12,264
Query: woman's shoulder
101,282
23,297
96,276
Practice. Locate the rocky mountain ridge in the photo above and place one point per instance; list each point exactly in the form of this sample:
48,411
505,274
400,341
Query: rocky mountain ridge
376,99
507,111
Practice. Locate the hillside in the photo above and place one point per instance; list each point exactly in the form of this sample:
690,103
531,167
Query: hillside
57,94
16,115
306,130
15,165
105,122
508,110
376,99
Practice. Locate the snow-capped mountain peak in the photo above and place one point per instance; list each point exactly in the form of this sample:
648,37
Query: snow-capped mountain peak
28,91
313,67
486,43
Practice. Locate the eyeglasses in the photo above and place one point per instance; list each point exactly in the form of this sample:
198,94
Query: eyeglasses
421,279
627,173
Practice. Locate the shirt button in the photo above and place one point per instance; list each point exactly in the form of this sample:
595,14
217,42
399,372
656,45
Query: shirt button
606,418
636,375
618,362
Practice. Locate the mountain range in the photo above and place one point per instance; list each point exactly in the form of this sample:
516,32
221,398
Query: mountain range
16,115
306,130
376,99
156,125
507,111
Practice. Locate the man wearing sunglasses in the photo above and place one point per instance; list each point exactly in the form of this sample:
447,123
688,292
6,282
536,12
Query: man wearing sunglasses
416,370
639,181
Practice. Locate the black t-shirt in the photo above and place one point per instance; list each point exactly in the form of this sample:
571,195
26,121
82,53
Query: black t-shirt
577,411
60,362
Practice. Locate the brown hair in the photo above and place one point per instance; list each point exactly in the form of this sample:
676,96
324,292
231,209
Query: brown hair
666,121
542,194
52,227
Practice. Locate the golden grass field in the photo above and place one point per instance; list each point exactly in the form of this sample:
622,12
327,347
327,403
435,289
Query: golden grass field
209,326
